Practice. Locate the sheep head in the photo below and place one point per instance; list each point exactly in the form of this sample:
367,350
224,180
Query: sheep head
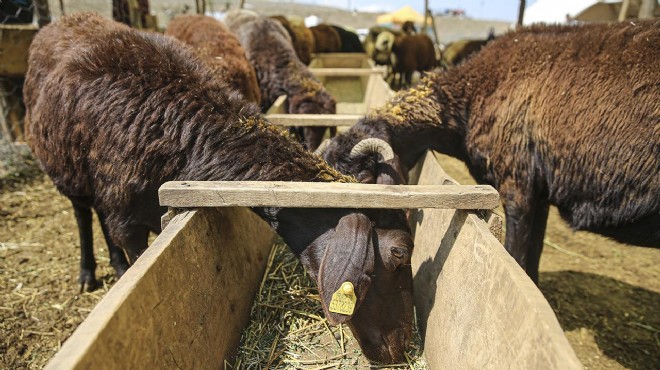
372,252
318,102
371,160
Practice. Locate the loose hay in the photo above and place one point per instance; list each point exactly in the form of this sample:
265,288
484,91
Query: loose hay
288,330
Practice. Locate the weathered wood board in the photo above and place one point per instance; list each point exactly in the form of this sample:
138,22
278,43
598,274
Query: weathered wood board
341,60
194,194
476,307
346,72
281,119
184,302
15,41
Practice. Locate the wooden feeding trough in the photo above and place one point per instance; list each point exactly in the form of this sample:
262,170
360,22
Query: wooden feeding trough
185,301
341,60
352,79
15,42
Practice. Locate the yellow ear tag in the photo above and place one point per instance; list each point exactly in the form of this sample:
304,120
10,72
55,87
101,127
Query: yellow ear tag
343,300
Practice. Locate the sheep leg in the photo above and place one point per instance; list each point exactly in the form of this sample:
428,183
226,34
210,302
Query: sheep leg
87,278
117,256
541,210
134,241
525,228
408,78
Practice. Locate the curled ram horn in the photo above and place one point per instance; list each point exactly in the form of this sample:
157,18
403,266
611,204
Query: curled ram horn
373,145
321,148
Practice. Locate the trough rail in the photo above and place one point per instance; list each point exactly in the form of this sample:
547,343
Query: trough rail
195,194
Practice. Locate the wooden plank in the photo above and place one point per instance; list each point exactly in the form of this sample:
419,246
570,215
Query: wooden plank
478,308
341,60
379,93
15,41
346,72
313,119
278,106
184,302
344,108
187,194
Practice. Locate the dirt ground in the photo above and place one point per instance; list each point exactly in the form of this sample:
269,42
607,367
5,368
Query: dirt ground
40,300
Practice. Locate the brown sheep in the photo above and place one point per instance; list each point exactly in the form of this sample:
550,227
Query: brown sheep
305,39
568,116
326,39
219,49
408,28
301,38
410,54
280,72
119,112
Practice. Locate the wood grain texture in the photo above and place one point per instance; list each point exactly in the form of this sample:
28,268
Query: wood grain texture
476,307
346,72
278,106
342,60
184,302
15,41
187,194
313,119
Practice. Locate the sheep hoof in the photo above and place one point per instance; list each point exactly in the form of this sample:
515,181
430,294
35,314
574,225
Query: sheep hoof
87,281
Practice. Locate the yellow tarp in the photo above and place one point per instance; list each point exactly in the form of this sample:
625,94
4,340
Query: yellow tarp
407,13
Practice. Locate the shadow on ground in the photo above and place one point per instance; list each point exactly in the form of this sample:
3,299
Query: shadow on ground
624,318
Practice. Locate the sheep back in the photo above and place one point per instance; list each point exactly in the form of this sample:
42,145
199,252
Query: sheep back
299,38
120,112
326,39
350,42
219,49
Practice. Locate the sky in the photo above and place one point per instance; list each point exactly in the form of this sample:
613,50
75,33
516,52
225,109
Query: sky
505,10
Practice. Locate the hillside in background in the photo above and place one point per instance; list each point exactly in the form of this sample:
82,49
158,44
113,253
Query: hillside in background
449,28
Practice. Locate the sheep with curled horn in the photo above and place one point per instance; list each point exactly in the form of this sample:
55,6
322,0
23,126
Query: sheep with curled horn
146,111
280,72
561,115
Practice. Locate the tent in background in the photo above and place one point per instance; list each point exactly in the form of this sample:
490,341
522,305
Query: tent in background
407,13
609,11
556,11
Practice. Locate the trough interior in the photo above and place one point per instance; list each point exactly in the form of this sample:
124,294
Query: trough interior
347,60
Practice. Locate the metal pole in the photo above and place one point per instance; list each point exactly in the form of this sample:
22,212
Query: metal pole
43,12
521,12
647,9
426,16
623,13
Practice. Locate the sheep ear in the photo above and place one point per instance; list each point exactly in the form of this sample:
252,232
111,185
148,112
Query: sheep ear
349,257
